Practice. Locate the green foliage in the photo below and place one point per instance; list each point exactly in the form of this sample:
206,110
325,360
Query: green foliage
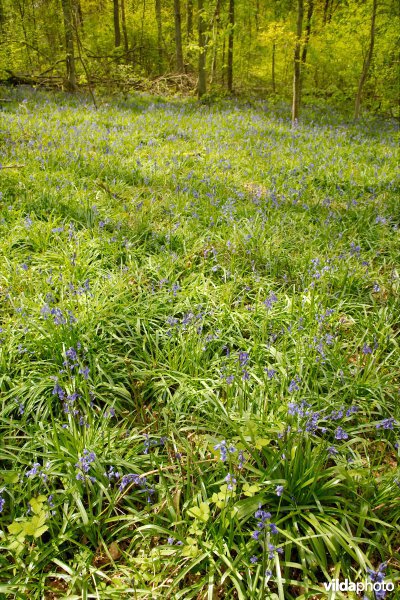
199,326
33,42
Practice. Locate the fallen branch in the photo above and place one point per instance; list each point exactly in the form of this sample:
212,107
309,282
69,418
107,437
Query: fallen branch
12,167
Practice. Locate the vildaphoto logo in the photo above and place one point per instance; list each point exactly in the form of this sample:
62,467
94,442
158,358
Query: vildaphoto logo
379,588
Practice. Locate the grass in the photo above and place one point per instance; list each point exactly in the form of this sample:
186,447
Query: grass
199,326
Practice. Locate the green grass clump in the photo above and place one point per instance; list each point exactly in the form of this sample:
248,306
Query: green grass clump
199,350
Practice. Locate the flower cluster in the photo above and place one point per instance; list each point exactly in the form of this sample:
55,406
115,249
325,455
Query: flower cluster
138,480
83,465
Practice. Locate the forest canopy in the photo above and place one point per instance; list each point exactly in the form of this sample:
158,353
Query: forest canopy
342,51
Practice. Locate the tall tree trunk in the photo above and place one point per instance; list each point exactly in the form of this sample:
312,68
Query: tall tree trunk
297,64
215,30
123,23
367,61
159,35
117,30
79,13
21,8
230,44
326,12
202,85
67,9
273,67
2,16
178,36
189,19
306,40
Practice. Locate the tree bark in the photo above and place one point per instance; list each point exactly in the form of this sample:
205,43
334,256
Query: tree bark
215,30
189,19
124,29
306,40
2,16
273,67
178,36
230,44
202,85
367,62
117,30
159,35
297,64
69,44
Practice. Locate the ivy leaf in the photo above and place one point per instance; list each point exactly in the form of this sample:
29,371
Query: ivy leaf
36,526
37,504
16,527
250,490
202,512
9,476
261,442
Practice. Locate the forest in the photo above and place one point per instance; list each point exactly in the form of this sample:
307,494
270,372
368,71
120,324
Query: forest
343,52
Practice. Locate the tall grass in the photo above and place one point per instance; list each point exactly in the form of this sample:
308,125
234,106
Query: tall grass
199,350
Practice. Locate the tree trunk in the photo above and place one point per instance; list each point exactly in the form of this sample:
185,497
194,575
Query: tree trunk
306,40
123,23
216,20
159,35
117,30
230,44
189,17
297,64
202,85
2,16
69,44
326,12
367,62
273,67
79,13
178,36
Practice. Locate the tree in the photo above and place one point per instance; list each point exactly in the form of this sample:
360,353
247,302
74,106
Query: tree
123,23
367,62
306,41
230,44
178,36
202,84
189,19
117,30
159,35
67,8
297,64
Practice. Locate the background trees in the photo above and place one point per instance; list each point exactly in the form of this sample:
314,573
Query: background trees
344,51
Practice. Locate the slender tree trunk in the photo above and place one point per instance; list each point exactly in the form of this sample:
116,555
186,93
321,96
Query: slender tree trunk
306,40
69,44
142,33
124,29
216,21
223,61
159,35
230,44
79,13
326,12
189,19
178,36
273,67
202,85
21,8
257,15
297,64
117,30
2,16
367,62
